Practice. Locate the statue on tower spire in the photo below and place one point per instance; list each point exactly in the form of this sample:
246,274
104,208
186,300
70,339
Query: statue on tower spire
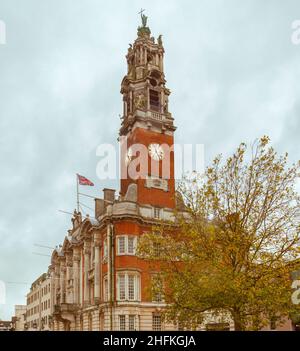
144,18
143,30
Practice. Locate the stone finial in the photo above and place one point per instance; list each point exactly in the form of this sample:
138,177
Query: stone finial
159,40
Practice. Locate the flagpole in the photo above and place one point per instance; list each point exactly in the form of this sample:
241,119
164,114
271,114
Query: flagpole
77,184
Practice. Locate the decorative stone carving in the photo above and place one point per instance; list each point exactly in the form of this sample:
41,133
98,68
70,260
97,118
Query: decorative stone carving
131,194
140,101
158,183
159,40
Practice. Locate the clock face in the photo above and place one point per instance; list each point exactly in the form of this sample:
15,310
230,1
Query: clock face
156,152
128,156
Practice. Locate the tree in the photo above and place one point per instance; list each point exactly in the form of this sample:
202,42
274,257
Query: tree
237,244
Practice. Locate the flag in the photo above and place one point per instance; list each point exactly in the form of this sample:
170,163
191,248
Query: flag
84,181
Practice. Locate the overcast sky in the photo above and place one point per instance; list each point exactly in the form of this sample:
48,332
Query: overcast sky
231,66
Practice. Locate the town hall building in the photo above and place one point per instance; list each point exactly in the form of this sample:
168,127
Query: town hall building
98,282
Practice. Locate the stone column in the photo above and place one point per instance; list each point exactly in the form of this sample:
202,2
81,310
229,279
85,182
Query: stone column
56,283
87,253
161,62
97,270
124,108
76,272
142,55
69,297
148,97
62,282
131,101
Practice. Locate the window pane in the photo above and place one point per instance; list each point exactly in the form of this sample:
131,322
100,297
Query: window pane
132,322
156,249
157,289
156,322
121,244
154,100
131,245
122,322
122,287
131,290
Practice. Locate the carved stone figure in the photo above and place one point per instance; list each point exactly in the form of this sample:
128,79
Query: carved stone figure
140,101
159,40
144,20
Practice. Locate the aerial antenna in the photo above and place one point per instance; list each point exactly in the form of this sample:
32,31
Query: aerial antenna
44,246
39,254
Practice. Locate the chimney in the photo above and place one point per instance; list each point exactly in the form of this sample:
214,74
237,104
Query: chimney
109,195
99,207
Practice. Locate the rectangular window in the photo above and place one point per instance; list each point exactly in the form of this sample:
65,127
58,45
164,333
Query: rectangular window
156,249
154,100
131,322
157,289
131,287
122,322
131,245
156,322
156,213
122,291
121,245
128,286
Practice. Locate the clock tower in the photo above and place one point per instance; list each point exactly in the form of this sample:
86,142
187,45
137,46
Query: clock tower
147,128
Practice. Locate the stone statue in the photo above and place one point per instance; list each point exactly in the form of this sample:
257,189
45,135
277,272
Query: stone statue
159,40
144,20
143,31
140,101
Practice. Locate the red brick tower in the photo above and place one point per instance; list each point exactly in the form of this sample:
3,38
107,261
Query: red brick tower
147,126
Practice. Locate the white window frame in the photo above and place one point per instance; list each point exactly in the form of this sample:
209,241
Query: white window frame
134,238
122,278
132,318
122,319
136,285
126,245
119,238
157,297
156,210
155,324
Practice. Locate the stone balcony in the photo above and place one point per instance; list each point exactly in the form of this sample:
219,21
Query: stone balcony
65,308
